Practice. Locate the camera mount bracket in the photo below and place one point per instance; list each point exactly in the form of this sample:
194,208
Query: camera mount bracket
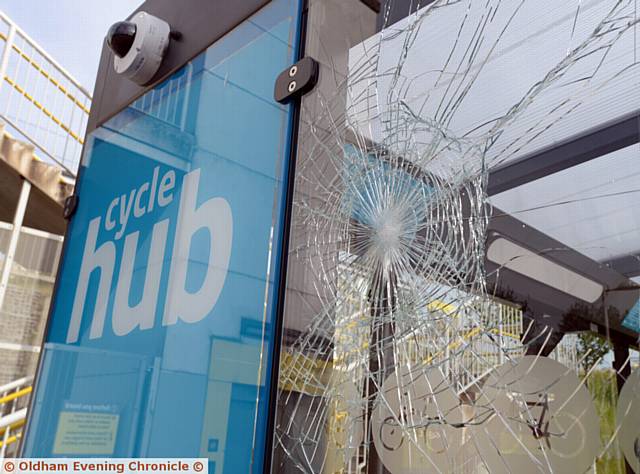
296,80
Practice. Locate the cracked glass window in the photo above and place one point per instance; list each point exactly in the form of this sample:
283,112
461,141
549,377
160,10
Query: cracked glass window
463,278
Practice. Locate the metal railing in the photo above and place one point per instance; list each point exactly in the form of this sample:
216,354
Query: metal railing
14,397
29,267
40,102
168,101
566,352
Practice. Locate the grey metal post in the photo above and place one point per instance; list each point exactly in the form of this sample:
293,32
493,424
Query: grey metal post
4,62
21,208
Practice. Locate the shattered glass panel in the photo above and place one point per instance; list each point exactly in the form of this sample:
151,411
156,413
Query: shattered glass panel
464,262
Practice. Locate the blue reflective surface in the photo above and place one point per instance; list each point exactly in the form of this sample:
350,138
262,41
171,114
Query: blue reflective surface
159,341
632,319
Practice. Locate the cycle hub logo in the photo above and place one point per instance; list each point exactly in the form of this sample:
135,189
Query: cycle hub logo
182,301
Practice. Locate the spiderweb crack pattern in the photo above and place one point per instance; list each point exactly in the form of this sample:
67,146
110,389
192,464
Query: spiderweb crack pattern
403,358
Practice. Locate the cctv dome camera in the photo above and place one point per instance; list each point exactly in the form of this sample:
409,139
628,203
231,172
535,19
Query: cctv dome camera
120,37
139,46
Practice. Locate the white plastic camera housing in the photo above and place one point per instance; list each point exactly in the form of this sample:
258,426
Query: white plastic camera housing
149,48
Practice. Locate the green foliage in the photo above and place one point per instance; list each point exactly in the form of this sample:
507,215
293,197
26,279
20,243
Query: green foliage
603,389
592,347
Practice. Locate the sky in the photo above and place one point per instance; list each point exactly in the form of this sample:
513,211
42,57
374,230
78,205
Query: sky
71,31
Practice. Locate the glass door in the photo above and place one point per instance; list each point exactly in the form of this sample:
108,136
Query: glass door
463,282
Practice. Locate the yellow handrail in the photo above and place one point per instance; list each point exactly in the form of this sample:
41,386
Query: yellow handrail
13,426
18,394
11,439
465,337
47,75
44,110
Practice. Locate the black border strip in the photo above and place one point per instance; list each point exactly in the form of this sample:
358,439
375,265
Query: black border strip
373,4
278,322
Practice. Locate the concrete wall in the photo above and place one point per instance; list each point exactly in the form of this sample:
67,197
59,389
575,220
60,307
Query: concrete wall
22,321
23,312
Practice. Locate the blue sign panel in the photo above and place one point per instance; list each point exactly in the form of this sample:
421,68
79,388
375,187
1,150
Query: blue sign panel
632,319
159,340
